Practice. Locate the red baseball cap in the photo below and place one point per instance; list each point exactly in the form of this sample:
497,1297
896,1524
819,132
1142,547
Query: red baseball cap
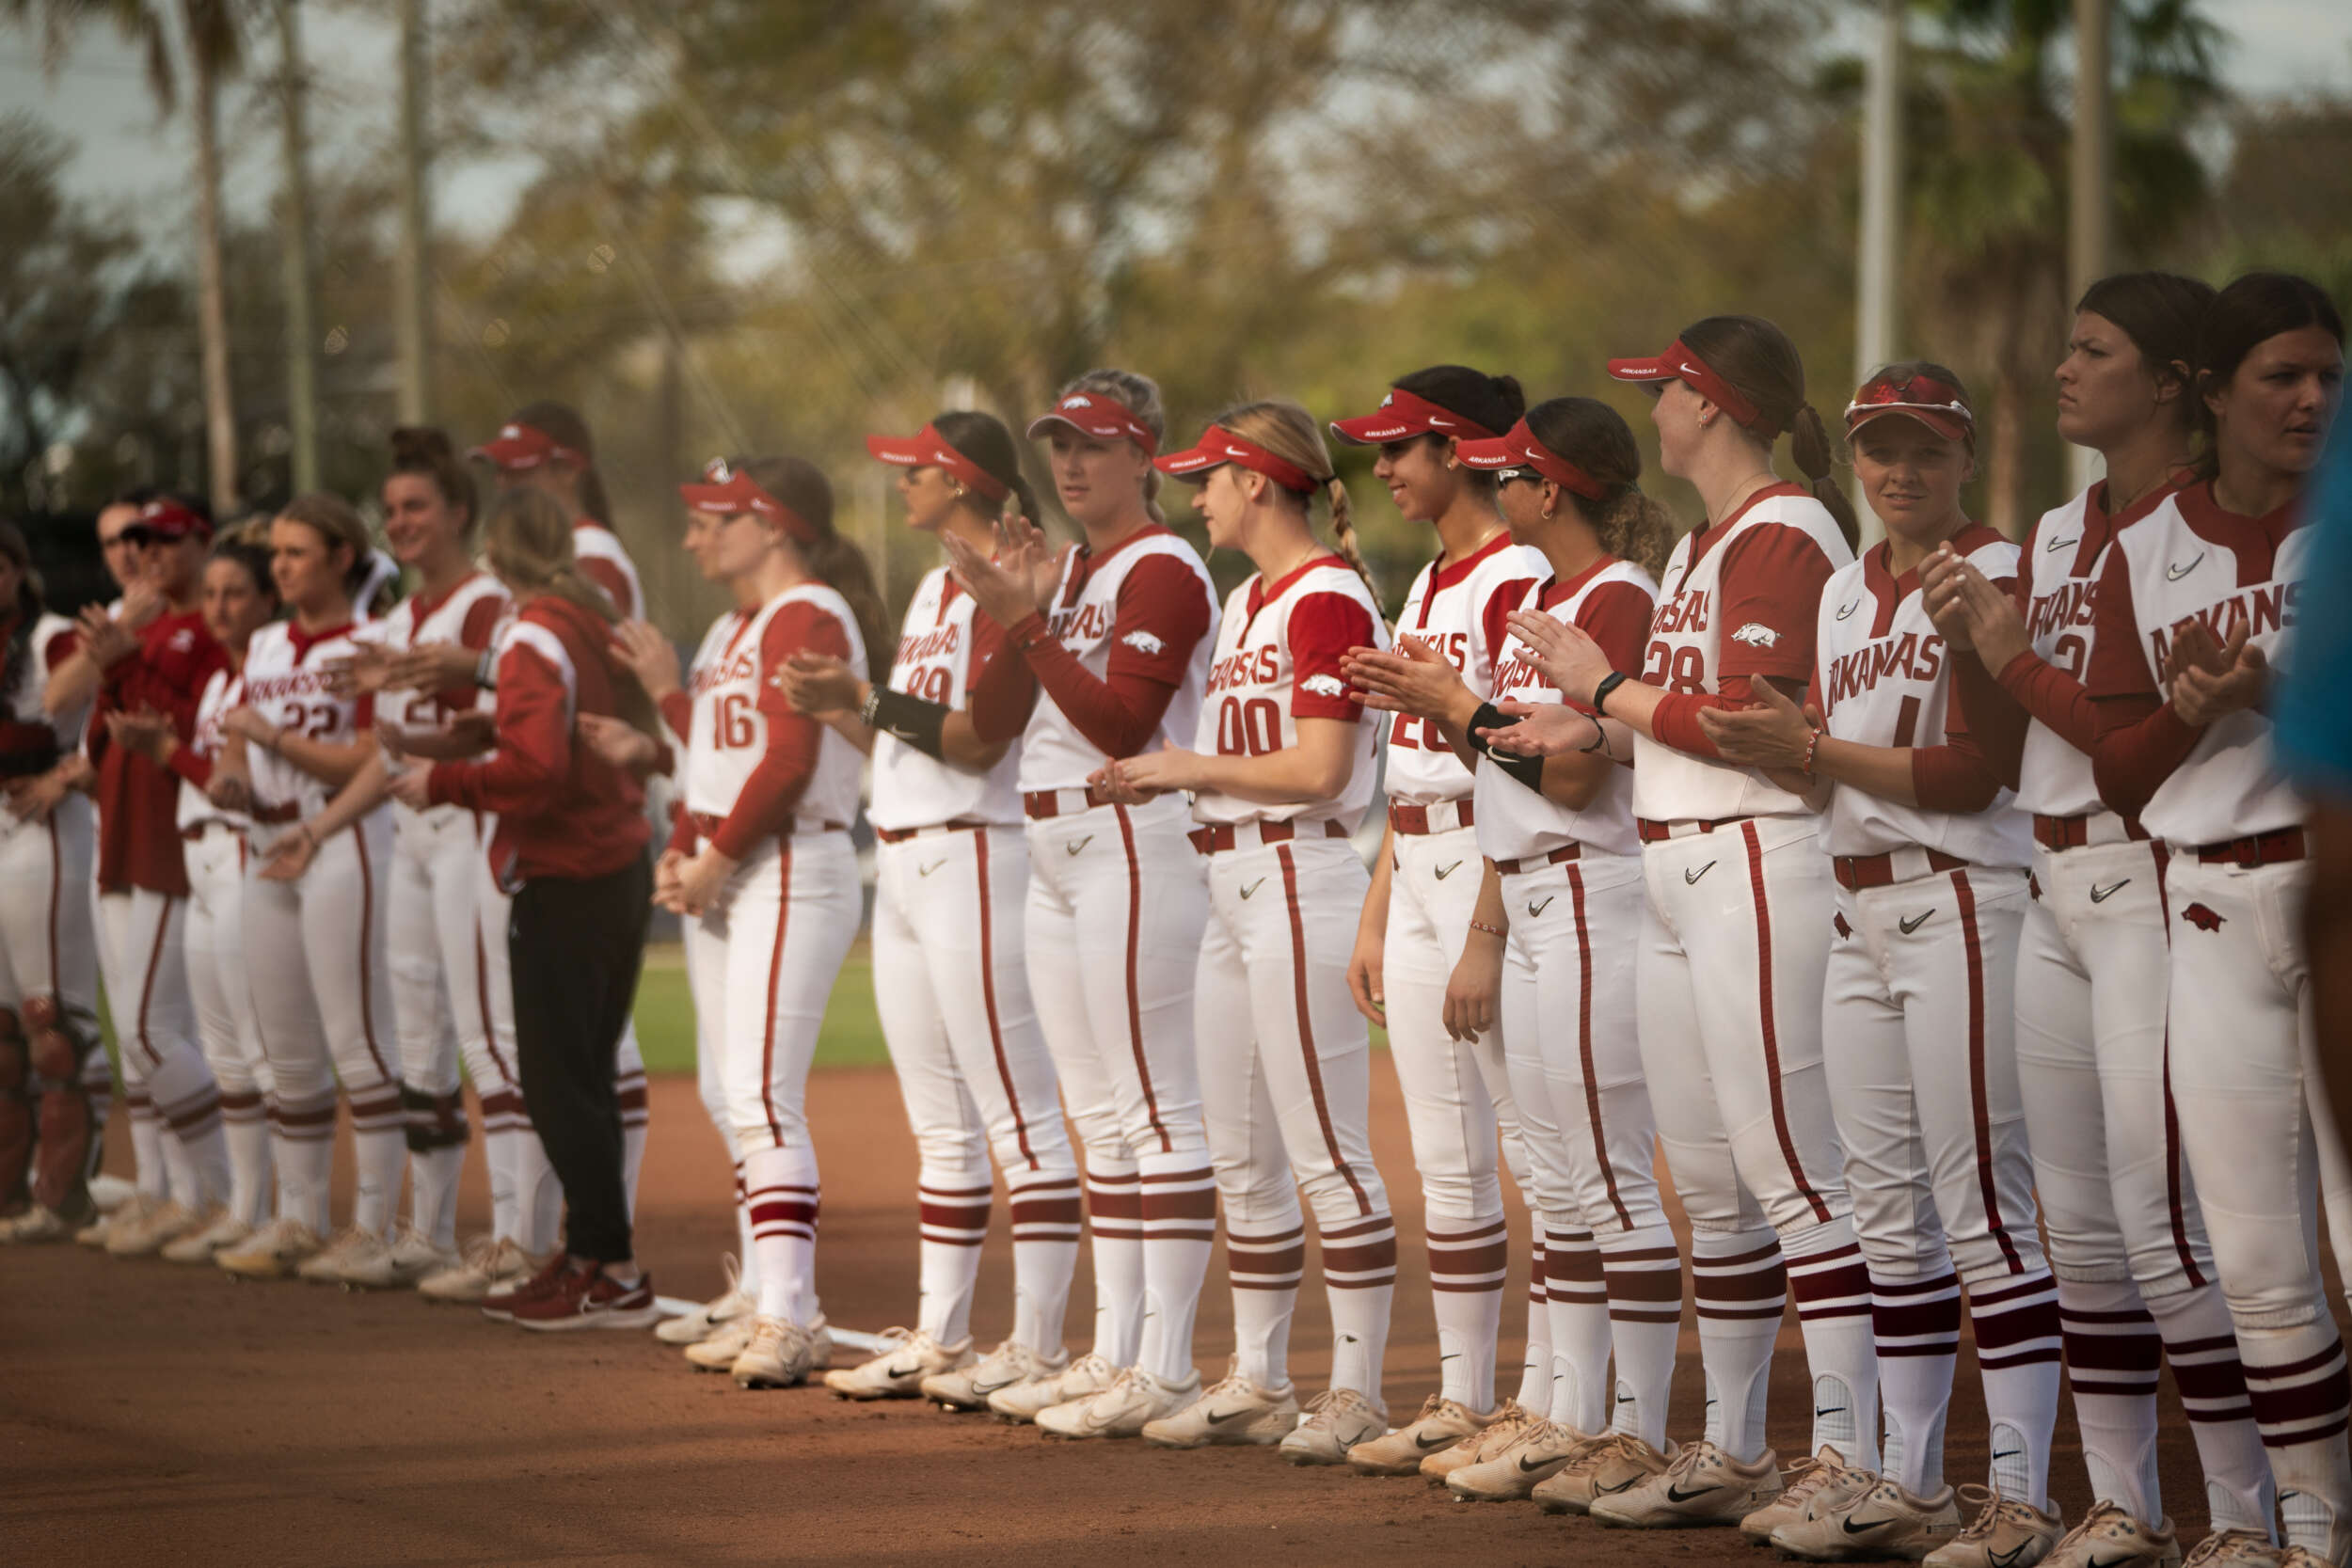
727,491
1402,414
1681,363
928,447
1935,403
1218,446
1521,449
1101,416
521,446
165,519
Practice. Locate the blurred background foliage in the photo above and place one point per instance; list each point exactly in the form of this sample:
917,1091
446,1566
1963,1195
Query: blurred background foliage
777,225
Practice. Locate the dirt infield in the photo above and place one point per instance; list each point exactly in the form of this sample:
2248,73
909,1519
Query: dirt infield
166,1417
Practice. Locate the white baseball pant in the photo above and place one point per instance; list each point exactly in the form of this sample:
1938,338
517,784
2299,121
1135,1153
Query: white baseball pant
145,960
223,990
48,943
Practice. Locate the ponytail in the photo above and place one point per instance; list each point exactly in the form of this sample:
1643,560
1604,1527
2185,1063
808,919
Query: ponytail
1344,532
832,560
1808,443
1025,499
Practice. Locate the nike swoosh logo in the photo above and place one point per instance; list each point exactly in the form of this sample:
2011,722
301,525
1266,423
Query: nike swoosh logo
1440,1441
1692,877
2174,574
1863,1526
2008,1559
1832,1410
1913,922
1218,1417
903,1371
2057,544
2010,1453
927,870
2101,894
1528,1469
1077,845
1534,908
1253,887
1676,1494
1447,871
1852,605
1600,1491
981,1390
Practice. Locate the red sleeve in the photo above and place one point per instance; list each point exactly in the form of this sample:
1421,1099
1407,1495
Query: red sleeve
2116,669
1322,626
191,765
1772,594
1004,692
481,621
1676,720
1162,615
1494,618
607,576
61,646
532,754
682,836
677,711
2138,739
1617,615
764,808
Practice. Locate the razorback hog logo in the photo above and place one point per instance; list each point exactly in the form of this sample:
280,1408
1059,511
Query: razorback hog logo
2202,917
1756,635
1324,686
1144,643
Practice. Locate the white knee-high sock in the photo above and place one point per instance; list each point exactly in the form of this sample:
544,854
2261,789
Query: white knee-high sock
1579,1312
953,1202
1644,1276
2295,1377
1537,1373
302,1142
1179,1230
1916,1325
2019,1339
1045,1224
196,1155
1469,1258
1114,1235
1742,1287
245,1127
782,1187
1359,1282
147,1143
379,1151
437,1157
747,1270
2201,1344
1832,1287
1265,1268
502,1123
2113,1354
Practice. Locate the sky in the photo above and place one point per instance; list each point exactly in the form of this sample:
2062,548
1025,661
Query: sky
97,97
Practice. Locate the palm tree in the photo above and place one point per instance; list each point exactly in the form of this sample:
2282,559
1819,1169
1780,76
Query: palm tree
210,39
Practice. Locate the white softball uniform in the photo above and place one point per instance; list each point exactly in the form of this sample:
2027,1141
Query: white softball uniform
217,976
48,946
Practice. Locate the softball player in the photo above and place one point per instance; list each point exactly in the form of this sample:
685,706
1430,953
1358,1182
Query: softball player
315,949
1117,632
238,598
1736,939
2192,603
773,794
48,961
1556,933
1416,914
2136,1280
1930,858
1282,772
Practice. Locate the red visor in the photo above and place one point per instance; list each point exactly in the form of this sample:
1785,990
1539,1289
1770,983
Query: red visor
518,446
1218,444
1402,414
166,518
1679,364
727,491
926,449
1937,404
1520,450
1093,414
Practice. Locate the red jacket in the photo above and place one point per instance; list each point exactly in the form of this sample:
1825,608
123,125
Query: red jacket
564,811
139,802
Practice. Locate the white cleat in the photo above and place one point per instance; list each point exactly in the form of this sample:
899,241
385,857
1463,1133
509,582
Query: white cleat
1613,1463
2111,1538
1335,1421
1540,1451
146,1234
897,1372
1886,1520
273,1252
1088,1374
716,1352
37,1225
1008,1366
729,1304
1442,1423
1704,1486
1819,1486
197,1246
410,1259
2005,1534
484,1266
1512,1419
778,1355
1233,1411
2234,1548
352,1251
1133,1401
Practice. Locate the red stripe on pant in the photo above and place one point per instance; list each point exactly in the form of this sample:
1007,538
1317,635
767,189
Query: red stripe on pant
147,986
1307,1028
988,1000
1772,1027
775,972
482,1001
2173,1163
1584,1045
1134,1002
367,930
1988,1188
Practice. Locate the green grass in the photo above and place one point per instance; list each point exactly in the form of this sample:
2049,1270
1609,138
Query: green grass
665,1014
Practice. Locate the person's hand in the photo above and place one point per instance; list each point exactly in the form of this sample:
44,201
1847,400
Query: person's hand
818,684
248,723
1970,611
232,789
107,641
1771,732
472,730
1139,778
411,786
665,881
2210,681
1473,994
291,856
34,796
702,878
1566,655
360,671
1008,587
1412,678
617,741
638,647
1365,975
143,601
1542,729
145,731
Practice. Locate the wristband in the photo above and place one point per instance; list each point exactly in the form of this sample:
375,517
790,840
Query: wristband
1490,930
909,719
1812,744
1528,771
1609,683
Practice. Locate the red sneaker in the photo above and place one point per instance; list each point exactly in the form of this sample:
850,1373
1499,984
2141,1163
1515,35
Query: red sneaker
587,1297
499,1305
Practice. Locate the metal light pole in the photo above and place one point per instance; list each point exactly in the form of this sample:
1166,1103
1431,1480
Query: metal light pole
302,348
1879,264
412,299
2091,210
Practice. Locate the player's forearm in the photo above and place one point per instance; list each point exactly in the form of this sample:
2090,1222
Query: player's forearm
330,762
1884,771
1289,777
364,792
1374,918
71,684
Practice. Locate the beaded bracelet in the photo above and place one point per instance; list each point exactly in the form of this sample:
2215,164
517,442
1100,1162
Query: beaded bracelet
1812,744
1490,930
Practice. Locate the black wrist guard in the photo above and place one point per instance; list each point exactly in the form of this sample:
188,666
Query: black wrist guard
910,718
1528,771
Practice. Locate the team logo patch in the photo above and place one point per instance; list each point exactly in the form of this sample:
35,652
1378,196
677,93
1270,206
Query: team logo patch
1144,643
2202,917
1324,686
1756,635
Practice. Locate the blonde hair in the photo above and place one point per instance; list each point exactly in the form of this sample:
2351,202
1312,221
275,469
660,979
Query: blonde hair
1140,396
337,522
528,540
1293,435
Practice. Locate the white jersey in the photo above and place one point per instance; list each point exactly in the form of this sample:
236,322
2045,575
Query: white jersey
29,728
286,682
605,561
223,691
1085,612
1739,599
1457,609
940,647
1277,661
1884,679
1513,821
468,615
702,676
730,735
2190,559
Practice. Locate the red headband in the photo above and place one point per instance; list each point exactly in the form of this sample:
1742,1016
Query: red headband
1103,418
1937,404
520,446
1521,449
166,518
1402,414
1218,444
1679,363
927,448
727,491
